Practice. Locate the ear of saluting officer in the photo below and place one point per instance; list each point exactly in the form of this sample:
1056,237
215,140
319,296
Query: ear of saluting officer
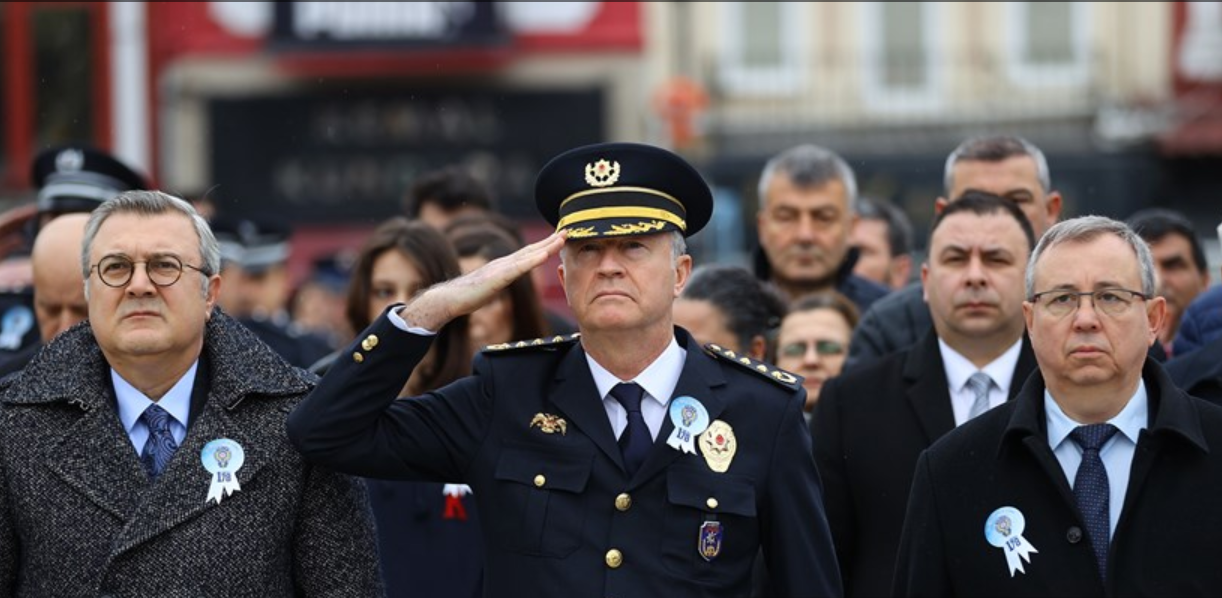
80,178
620,189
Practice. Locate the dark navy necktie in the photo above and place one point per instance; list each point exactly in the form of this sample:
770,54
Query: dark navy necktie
1091,488
634,443
160,445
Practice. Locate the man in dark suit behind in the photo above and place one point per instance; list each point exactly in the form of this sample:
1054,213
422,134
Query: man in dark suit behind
534,431
1100,478
871,424
144,452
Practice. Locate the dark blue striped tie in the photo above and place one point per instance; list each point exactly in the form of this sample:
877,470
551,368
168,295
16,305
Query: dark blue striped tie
160,445
634,443
1091,488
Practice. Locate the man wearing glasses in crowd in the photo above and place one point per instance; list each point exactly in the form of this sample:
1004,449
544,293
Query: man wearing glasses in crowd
1101,477
144,453
872,423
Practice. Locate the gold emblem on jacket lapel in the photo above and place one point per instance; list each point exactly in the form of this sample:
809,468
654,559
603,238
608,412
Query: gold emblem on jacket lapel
710,540
1004,529
222,458
549,424
718,445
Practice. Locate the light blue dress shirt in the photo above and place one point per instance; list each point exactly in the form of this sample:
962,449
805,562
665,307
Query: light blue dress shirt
132,403
1116,453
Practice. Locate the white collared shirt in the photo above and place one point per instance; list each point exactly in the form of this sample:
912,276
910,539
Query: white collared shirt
658,380
132,403
1116,453
959,369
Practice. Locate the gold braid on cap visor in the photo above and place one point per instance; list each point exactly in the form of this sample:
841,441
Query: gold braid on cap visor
629,212
622,212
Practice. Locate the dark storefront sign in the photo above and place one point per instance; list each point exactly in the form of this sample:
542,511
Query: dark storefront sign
348,157
385,25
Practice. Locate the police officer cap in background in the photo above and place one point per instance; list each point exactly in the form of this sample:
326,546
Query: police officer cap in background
256,287
79,178
618,189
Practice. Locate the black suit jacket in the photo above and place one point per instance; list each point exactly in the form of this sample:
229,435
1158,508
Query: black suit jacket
555,505
1165,543
1199,373
869,427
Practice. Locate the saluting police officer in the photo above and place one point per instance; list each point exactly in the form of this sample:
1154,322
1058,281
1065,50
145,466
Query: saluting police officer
624,460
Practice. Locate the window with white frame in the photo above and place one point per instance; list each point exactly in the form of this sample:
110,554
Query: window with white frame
1047,43
763,48
901,62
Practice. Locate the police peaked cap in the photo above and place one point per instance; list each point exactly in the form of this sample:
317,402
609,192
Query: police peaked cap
79,179
253,246
618,189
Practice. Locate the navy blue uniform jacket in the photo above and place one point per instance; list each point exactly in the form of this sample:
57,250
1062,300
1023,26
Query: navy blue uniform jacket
549,500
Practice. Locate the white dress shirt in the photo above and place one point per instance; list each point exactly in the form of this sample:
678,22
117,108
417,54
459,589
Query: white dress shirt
658,380
132,403
1116,453
959,369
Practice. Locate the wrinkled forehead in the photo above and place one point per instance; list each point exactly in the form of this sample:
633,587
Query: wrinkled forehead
140,235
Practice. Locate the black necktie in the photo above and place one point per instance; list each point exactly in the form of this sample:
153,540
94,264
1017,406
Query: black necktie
1090,487
634,443
161,445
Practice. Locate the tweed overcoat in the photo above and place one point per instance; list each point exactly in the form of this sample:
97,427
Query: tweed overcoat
80,517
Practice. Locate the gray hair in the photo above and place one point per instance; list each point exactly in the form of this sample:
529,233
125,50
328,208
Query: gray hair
809,166
153,203
1088,228
995,149
678,246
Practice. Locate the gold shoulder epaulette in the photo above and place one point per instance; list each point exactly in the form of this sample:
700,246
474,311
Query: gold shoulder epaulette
535,343
759,368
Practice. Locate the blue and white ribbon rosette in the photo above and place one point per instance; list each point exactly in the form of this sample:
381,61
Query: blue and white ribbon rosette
690,419
222,458
1004,529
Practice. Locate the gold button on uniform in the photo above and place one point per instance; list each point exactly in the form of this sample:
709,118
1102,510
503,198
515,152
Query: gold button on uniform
370,342
357,357
711,502
623,502
540,481
615,558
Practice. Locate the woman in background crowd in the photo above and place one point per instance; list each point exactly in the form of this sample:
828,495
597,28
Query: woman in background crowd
814,340
517,313
728,306
428,533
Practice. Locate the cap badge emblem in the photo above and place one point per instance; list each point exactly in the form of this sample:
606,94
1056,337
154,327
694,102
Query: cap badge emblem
602,173
69,160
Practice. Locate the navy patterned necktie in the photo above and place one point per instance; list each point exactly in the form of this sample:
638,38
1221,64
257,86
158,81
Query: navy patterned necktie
160,445
634,443
1091,488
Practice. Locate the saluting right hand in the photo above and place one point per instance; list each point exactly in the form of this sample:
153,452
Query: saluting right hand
458,297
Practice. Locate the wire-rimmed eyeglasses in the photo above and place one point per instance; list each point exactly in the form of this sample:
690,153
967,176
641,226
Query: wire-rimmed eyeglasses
1111,301
163,270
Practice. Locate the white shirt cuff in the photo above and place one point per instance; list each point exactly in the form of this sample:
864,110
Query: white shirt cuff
399,323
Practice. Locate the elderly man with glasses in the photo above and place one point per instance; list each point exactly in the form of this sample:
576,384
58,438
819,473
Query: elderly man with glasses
144,452
1101,477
